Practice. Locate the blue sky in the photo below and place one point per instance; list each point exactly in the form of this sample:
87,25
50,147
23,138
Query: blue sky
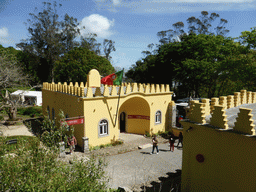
132,24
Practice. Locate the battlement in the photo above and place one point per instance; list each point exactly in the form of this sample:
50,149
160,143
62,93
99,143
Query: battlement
106,90
218,108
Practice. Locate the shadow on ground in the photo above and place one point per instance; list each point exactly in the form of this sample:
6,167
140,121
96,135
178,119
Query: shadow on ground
34,125
166,184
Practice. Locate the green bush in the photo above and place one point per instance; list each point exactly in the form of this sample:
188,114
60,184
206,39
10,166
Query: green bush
30,111
30,167
147,134
117,142
52,134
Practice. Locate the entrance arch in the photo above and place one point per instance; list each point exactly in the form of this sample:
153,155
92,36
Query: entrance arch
136,111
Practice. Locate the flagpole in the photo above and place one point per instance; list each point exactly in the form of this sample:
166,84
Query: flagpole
119,96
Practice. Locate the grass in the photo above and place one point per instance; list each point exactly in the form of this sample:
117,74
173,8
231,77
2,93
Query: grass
117,142
21,141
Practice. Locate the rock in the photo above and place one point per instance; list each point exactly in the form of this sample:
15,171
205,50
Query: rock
145,146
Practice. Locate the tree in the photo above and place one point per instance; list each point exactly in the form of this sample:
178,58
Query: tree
108,47
11,75
49,37
76,64
200,62
201,65
199,25
249,38
90,43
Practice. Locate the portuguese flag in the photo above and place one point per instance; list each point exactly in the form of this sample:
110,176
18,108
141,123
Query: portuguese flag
113,79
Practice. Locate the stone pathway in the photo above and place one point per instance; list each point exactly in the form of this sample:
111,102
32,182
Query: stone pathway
137,168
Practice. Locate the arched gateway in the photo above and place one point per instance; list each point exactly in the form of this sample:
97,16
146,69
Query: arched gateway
134,116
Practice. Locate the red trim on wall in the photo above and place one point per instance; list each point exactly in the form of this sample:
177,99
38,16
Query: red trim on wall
138,117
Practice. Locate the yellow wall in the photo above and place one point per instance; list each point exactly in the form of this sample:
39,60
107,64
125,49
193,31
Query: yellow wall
68,104
95,110
229,153
229,160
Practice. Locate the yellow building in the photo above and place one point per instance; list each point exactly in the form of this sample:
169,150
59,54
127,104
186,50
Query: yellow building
142,108
217,157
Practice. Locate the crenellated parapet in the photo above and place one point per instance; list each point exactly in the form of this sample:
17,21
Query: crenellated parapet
244,122
198,112
239,98
219,117
105,90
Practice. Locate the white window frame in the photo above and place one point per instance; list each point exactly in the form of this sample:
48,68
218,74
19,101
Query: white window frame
158,117
104,126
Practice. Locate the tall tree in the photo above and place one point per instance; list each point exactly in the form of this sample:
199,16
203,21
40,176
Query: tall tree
201,25
50,37
76,64
108,47
90,43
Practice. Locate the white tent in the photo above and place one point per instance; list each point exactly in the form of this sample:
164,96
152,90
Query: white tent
28,97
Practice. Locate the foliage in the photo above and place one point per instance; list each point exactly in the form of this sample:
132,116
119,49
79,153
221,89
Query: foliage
30,111
248,38
49,37
11,75
202,66
113,143
147,134
76,64
201,25
31,167
90,43
52,134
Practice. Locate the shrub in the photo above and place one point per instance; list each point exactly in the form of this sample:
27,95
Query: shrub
30,111
35,168
117,142
52,134
147,134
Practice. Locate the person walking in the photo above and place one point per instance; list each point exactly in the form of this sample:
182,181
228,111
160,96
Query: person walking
180,140
171,140
72,142
155,145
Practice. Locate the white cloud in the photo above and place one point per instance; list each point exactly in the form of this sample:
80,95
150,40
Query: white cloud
116,2
97,24
4,32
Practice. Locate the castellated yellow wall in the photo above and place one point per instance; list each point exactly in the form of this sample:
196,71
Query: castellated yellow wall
139,102
68,104
228,153
229,163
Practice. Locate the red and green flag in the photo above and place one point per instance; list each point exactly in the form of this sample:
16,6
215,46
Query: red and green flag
113,79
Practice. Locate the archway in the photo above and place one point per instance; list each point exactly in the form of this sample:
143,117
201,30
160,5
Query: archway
136,112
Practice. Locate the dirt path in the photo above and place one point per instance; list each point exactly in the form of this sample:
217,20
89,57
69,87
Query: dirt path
15,130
